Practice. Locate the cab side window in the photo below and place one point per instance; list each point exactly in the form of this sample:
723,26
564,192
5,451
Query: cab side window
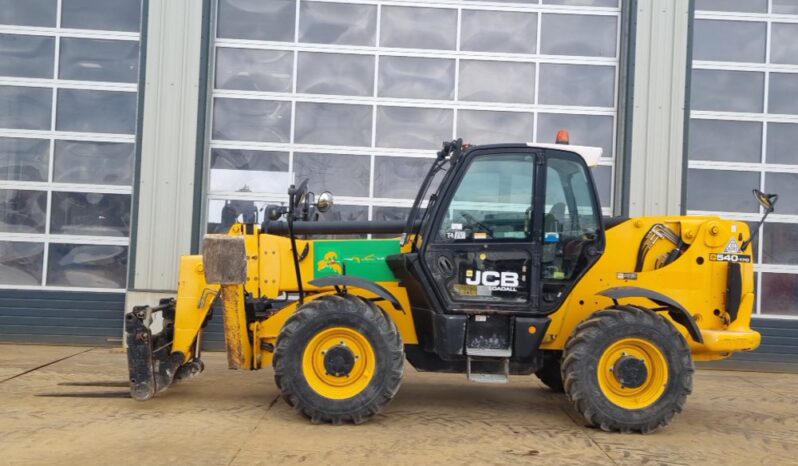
571,220
493,201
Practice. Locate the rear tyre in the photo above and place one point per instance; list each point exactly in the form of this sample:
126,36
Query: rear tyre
627,369
338,359
550,373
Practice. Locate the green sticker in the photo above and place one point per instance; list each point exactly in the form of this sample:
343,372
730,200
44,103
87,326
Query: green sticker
359,258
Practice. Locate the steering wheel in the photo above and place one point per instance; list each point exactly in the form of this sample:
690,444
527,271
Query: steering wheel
474,222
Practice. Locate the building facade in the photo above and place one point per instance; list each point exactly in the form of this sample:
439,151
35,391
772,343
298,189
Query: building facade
129,128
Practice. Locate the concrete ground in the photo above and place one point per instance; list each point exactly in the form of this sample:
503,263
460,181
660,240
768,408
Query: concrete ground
228,417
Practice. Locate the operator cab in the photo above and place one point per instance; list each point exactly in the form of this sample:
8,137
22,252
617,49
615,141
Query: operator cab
510,230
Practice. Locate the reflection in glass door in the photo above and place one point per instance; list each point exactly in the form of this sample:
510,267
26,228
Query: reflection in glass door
68,92
358,96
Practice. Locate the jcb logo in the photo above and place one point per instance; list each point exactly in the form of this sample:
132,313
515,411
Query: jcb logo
491,278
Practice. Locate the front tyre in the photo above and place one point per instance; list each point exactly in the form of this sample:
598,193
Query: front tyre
338,359
627,369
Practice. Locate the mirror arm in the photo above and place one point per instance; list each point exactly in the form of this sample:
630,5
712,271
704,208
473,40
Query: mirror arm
745,244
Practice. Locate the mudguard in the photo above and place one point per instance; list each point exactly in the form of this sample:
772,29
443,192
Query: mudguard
344,280
677,312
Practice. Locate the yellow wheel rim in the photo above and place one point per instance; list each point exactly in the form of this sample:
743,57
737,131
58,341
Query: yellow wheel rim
356,378
652,387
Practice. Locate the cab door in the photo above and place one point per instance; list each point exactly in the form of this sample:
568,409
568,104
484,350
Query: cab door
573,236
483,246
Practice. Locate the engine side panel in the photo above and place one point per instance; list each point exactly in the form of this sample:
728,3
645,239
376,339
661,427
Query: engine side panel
697,280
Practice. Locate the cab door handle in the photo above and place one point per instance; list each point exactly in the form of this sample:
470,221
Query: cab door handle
445,265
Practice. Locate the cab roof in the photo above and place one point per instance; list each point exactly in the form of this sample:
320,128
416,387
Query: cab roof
590,154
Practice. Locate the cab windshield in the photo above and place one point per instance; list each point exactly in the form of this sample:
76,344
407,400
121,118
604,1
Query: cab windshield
493,200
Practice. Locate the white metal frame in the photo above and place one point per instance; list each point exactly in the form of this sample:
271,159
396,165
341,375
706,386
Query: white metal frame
374,100
54,135
762,167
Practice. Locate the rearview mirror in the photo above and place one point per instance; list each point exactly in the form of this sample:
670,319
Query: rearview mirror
768,201
325,202
274,212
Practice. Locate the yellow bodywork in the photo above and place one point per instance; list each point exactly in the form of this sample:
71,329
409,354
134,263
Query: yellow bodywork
270,274
194,299
693,280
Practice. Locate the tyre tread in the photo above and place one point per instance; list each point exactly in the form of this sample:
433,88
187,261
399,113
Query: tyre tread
318,309
579,348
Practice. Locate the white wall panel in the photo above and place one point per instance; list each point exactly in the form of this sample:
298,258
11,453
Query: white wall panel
659,96
165,187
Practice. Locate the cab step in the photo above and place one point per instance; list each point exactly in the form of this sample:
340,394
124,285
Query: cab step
494,370
489,352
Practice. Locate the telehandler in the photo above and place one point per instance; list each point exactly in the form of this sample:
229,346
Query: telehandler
507,268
